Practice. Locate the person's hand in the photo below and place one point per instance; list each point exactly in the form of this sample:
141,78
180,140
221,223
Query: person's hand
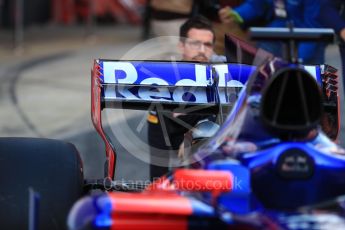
342,34
225,16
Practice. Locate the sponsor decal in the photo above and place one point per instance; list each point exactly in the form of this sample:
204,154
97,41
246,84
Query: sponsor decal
168,81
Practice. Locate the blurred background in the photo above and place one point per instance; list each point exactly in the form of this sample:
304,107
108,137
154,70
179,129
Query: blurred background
47,48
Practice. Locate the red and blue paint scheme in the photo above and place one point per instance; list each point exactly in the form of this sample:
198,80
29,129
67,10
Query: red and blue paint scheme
160,205
271,165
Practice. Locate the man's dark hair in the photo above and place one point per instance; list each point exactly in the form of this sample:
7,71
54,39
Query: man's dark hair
197,22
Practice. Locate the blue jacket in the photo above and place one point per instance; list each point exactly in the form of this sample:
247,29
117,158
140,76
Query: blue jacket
330,14
303,14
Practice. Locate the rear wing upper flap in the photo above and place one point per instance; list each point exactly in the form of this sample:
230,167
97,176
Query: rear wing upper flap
174,86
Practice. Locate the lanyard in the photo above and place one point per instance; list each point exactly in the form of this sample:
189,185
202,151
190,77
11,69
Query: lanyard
342,9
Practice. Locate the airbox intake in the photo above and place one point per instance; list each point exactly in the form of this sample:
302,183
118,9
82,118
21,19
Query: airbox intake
291,102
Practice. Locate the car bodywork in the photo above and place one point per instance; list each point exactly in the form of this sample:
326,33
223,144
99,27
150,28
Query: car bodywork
267,167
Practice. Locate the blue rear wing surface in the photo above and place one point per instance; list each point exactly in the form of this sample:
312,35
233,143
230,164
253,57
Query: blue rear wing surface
175,86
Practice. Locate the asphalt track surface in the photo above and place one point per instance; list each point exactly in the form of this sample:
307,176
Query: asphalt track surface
45,92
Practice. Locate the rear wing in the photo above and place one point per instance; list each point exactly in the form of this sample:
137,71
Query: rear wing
171,86
174,86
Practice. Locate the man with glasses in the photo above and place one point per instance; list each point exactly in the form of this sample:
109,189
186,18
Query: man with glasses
196,44
196,40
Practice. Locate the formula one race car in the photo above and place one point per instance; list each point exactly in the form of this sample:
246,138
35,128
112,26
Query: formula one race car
269,166
267,163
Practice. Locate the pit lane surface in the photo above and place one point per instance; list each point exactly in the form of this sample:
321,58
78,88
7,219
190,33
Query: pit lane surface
45,92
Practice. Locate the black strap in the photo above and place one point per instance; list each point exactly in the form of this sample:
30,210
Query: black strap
342,9
167,15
